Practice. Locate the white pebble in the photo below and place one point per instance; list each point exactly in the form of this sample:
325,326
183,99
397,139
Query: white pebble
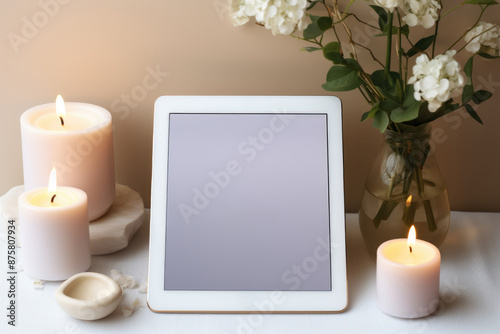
38,284
125,281
127,310
143,288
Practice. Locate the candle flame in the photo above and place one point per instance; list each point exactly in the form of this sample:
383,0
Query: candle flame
412,236
52,182
60,109
408,201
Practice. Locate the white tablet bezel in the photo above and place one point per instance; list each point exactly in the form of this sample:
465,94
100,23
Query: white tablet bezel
160,300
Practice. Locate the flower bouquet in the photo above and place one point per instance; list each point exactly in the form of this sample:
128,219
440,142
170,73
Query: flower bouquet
417,82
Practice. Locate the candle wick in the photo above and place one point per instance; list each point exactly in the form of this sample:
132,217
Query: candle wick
411,250
52,199
62,120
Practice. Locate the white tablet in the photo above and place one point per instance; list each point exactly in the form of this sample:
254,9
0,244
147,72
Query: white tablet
247,205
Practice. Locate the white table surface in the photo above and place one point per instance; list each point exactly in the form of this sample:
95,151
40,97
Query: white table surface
469,293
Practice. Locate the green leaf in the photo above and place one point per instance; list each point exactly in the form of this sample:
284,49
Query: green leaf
317,27
388,105
382,21
371,113
314,18
341,78
468,68
447,108
310,49
481,96
405,30
487,55
421,45
409,110
379,78
425,116
467,93
364,116
381,121
390,88
352,63
468,88
473,113
325,23
312,31
331,51
481,2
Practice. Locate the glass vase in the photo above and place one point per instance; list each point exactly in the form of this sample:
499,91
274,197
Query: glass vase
404,187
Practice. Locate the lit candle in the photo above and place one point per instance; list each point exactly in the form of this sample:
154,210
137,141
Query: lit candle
408,277
77,139
55,230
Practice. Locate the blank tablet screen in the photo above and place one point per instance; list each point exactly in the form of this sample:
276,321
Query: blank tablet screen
247,202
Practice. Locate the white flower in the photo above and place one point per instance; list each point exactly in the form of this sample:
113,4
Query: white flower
437,80
484,37
387,4
280,16
423,12
241,11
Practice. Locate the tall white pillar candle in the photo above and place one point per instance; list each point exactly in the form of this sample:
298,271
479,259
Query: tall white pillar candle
81,149
56,242
408,278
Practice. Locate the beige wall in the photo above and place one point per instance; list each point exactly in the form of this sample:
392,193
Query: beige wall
99,51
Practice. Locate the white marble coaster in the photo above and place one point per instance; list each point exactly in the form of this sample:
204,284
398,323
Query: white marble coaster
108,234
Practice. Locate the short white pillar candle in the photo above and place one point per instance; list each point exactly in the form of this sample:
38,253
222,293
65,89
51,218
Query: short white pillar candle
408,278
55,230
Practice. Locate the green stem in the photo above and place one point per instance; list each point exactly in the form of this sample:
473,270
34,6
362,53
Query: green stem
371,53
431,222
364,95
330,14
349,5
306,40
361,21
448,12
397,128
409,213
378,217
436,30
390,207
400,53
389,45
387,206
367,90
406,71
407,181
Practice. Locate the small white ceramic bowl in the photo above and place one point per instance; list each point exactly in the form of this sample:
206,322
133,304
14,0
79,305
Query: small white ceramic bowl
89,296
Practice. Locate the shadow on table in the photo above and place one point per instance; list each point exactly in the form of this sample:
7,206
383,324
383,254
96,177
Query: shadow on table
467,255
138,248
360,265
